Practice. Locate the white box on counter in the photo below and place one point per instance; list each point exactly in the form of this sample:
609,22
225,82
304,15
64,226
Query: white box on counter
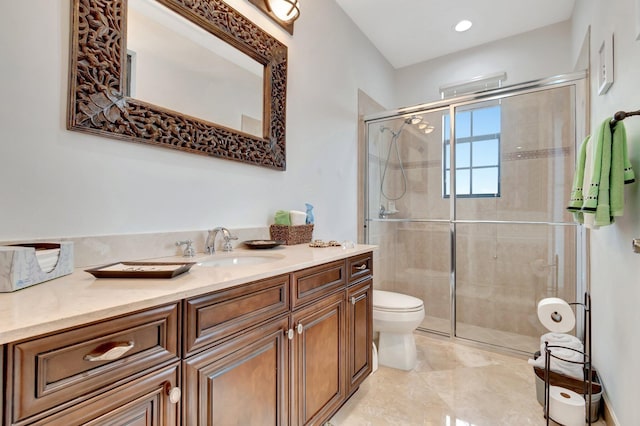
23,265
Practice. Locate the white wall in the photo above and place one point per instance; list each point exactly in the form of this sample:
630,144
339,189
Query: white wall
57,183
615,270
525,57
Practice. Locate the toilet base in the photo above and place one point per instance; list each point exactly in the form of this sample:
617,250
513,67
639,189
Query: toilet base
397,350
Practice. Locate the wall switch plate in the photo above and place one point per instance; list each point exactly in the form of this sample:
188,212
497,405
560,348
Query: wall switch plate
605,64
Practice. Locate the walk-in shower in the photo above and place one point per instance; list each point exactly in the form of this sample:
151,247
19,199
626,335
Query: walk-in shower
466,200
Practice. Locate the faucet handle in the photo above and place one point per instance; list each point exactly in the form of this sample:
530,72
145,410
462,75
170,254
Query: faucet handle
230,237
227,242
189,251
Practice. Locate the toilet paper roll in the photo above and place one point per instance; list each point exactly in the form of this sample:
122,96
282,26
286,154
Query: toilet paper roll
566,406
556,315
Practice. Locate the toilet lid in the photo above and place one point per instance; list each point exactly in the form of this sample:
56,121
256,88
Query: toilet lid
390,301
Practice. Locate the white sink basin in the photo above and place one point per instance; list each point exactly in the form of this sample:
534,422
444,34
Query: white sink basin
238,260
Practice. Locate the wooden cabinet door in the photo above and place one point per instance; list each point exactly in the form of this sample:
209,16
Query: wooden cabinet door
144,401
2,382
318,360
360,332
243,381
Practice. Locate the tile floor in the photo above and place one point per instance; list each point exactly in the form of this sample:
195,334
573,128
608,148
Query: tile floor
491,336
452,385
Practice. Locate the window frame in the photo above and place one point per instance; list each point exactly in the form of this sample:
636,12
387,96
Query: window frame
472,140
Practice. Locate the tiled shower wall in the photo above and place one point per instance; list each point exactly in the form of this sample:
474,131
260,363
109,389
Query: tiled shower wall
502,269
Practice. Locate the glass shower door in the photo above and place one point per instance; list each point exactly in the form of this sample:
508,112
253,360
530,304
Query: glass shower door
514,241
407,216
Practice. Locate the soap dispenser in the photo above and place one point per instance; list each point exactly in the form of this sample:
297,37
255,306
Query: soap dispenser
309,220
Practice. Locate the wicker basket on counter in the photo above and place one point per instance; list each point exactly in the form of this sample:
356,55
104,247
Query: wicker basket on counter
291,235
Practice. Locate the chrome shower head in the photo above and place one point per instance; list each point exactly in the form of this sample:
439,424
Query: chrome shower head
414,119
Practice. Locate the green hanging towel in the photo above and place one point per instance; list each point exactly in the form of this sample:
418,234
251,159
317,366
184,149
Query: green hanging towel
603,168
621,170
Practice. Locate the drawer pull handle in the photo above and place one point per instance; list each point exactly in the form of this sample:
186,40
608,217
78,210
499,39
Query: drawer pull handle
355,300
300,328
290,334
361,267
109,351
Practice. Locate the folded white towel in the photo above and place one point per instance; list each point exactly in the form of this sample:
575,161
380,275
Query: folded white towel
563,367
557,365
561,339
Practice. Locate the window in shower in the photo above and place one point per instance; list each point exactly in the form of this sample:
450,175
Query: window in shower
477,152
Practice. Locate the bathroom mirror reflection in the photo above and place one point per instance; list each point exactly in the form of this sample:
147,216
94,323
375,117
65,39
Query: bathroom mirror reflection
177,64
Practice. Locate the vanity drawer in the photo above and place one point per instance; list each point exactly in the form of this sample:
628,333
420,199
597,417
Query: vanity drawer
312,283
216,316
360,267
68,367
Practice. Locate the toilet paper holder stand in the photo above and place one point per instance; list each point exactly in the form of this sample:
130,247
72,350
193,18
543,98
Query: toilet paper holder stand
586,362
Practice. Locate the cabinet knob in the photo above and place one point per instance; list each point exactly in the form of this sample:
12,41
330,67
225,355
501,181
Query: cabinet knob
290,334
109,351
300,328
361,267
174,393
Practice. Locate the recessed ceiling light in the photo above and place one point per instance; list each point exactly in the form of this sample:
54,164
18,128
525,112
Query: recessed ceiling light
463,25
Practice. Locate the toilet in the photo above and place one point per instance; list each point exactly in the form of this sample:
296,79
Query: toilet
395,317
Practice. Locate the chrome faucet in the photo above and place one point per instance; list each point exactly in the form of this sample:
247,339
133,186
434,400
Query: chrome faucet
210,244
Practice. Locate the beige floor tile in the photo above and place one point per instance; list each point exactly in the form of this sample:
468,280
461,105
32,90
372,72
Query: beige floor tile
452,385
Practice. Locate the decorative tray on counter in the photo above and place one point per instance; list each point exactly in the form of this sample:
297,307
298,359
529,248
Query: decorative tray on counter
262,244
141,269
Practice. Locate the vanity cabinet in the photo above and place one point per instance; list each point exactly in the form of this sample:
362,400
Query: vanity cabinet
143,401
318,351
319,360
2,382
359,320
237,368
243,381
285,350
359,333
91,373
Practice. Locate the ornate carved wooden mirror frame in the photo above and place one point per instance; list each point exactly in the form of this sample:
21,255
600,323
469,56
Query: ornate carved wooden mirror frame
97,103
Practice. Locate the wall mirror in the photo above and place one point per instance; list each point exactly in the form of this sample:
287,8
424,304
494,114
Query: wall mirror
229,103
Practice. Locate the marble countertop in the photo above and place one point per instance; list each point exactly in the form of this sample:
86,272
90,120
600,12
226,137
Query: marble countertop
80,298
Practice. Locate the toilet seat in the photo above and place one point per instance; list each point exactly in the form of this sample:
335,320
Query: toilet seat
387,301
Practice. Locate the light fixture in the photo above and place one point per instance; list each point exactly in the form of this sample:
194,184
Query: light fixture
283,12
428,129
414,119
473,85
463,25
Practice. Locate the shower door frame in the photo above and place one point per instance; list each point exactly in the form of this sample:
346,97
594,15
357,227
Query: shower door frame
577,79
